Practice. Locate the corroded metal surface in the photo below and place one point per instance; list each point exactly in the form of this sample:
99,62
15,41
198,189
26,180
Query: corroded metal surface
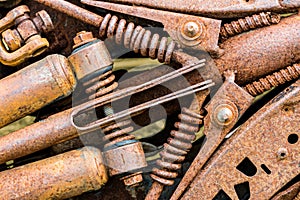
175,151
59,177
74,11
263,51
128,157
35,86
58,128
273,80
258,141
24,41
290,193
36,137
226,107
89,56
252,55
248,23
189,31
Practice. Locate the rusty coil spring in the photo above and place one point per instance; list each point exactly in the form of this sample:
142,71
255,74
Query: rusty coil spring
274,80
177,147
248,23
100,85
117,132
137,38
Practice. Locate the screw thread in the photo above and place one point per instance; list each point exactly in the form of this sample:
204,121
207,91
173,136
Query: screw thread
277,78
248,23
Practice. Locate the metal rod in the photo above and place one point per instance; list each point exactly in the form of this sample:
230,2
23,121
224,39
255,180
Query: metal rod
73,11
123,114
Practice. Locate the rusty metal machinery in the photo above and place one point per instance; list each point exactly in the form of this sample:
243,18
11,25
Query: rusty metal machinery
24,41
224,103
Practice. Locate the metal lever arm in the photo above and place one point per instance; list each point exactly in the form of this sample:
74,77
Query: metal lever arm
189,31
218,9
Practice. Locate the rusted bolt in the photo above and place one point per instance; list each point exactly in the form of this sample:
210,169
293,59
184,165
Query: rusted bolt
133,179
191,30
82,38
282,153
224,114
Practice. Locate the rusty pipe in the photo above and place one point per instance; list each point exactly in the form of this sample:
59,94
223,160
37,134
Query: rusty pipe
59,177
35,86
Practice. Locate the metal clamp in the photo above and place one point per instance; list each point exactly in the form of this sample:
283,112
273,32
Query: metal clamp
25,40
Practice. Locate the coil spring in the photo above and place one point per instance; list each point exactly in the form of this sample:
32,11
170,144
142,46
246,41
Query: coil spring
100,85
137,38
117,132
277,78
248,23
177,147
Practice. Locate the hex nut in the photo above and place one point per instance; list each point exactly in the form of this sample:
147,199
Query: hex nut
133,180
82,38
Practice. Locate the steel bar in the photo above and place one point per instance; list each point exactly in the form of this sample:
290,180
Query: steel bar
73,11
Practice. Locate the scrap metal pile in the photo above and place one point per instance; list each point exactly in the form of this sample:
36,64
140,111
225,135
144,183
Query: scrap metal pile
160,99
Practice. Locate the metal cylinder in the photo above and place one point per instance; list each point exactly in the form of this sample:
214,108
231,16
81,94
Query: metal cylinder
59,177
258,53
35,86
89,56
40,135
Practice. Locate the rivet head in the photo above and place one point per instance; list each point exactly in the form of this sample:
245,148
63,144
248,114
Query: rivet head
191,30
224,115
282,153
